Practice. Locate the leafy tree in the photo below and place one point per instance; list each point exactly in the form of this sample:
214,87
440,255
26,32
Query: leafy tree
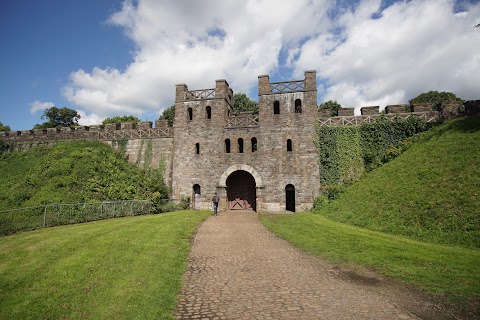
332,105
120,119
168,114
4,127
58,117
242,103
436,98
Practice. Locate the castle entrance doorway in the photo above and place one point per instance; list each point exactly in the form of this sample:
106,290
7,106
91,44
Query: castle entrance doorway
197,197
241,191
290,197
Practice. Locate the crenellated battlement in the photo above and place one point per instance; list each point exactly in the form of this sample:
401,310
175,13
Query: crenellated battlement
267,87
111,131
222,90
369,114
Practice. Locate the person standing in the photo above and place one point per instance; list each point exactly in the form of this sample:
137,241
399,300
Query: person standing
215,200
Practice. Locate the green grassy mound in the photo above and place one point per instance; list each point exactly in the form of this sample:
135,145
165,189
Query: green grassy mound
71,172
431,192
127,268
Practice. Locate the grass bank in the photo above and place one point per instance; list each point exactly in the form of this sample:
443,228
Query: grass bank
74,172
451,272
127,268
430,192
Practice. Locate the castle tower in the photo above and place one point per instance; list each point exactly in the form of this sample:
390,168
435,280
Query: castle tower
287,114
199,121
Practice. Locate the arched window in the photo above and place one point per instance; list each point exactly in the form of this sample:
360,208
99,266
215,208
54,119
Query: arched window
197,148
240,145
289,145
276,107
227,145
209,112
298,106
254,144
190,114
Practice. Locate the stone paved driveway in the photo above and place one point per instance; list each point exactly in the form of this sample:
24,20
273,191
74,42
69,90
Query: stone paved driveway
239,270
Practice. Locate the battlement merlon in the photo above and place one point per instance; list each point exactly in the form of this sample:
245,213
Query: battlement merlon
267,87
222,90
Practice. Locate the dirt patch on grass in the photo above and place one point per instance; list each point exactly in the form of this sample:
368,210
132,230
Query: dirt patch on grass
423,305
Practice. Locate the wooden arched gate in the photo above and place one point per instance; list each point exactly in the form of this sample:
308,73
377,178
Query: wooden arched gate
241,191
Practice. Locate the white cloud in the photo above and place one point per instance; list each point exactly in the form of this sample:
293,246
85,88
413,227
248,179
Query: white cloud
367,54
88,119
412,47
193,42
40,106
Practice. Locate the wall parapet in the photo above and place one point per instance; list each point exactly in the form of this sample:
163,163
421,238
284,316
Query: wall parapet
428,116
126,130
241,121
267,87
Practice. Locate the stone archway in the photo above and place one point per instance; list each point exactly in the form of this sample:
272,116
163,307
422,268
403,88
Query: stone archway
241,191
222,183
251,185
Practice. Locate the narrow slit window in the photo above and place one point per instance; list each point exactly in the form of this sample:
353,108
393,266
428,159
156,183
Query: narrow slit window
197,148
289,145
276,107
240,145
190,114
254,144
227,145
209,112
298,106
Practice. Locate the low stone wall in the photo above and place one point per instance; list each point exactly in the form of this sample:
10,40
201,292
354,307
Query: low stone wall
128,130
452,109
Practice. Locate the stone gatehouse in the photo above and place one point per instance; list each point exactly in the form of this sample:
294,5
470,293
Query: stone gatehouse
262,162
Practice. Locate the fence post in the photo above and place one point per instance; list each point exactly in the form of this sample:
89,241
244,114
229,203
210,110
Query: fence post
45,217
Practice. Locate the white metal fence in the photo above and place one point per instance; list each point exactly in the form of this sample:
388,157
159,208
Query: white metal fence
24,219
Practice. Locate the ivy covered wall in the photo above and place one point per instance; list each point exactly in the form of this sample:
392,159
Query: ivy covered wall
345,153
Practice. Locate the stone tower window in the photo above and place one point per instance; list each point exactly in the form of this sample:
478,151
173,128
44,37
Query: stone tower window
209,112
197,148
289,145
190,114
298,106
240,145
254,144
276,107
227,145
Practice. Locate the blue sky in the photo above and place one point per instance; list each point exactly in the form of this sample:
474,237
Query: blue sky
107,58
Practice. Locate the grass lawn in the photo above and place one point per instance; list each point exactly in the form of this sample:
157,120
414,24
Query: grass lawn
127,268
452,272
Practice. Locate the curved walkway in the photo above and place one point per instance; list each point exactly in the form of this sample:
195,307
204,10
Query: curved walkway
237,269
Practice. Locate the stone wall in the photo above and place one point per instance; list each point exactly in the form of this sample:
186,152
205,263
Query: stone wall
193,151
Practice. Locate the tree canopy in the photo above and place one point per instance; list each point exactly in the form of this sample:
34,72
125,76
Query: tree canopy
242,103
436,98
168,114
58,117
333,105
4,127
120,119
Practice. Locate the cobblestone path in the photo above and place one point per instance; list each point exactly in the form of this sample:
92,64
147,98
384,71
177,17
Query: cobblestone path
239,270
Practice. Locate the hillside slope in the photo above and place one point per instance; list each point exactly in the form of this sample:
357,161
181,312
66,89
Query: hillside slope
431,192
70,172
